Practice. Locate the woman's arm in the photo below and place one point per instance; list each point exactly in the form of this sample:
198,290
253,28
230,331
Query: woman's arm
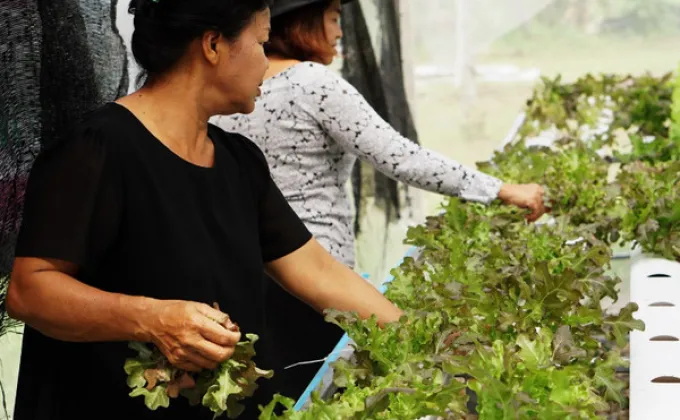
45,295
314,276
348,118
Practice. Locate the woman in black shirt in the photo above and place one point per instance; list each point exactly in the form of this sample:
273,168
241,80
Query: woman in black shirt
146,214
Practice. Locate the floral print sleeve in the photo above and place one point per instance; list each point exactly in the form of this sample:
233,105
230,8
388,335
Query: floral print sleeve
346,116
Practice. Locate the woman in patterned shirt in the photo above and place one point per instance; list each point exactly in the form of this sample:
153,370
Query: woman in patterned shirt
312,126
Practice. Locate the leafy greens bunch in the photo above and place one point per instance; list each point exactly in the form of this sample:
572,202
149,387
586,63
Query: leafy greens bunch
151,376
507,309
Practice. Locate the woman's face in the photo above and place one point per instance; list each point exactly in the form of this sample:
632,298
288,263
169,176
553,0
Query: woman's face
332,27
243,65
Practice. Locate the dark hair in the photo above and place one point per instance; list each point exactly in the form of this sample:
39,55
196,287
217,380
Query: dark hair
165,28
300,34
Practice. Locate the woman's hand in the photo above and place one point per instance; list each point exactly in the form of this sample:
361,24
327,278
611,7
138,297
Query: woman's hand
528,196
193,336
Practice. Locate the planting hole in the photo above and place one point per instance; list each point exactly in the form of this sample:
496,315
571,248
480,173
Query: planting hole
664,338
661,305
666,380
658,276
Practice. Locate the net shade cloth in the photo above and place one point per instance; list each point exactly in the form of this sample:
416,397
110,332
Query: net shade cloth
382,84
59,60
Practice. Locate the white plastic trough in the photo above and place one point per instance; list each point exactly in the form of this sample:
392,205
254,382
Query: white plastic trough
655,352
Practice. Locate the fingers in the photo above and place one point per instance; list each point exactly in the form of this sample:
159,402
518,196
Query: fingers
216,333
534,216
189,360
199,355
192,360
212,313
201,361
217,316
214,352
536,204
218,339
537,209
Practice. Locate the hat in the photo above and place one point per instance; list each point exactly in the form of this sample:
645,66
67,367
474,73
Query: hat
283,6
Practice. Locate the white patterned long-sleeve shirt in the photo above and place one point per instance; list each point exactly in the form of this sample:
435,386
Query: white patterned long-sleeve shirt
312,125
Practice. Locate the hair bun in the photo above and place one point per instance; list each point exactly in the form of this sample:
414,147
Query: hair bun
164,28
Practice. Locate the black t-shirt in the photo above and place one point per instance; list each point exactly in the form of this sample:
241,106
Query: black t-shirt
140,220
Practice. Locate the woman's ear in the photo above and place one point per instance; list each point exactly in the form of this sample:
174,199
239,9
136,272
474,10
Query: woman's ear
212,47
